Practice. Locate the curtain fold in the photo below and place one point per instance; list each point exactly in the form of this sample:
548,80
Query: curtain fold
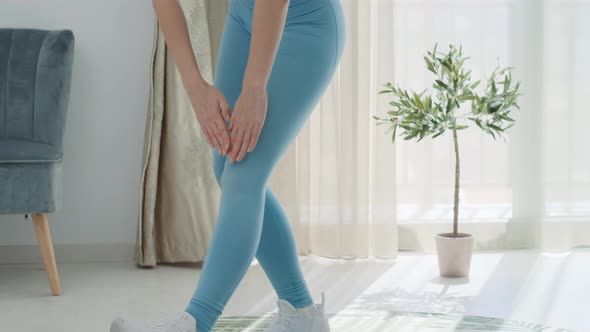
179,197
337,181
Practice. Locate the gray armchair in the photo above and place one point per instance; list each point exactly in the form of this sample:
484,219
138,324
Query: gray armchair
35,73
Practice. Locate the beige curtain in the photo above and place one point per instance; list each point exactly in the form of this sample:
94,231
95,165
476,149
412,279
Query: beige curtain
179,197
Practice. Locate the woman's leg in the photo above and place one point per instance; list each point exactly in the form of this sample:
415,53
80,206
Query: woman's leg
212,293
302,70
310,49
277,250
277,254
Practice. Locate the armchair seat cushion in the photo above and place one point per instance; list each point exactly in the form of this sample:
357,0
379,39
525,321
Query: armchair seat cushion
18,151
30,187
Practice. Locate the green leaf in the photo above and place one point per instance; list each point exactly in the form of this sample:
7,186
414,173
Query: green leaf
478,123
421,136
418,101
491,133
506,117
441,84
508,127
506,83
465,98
407,138
493,126
429,65
442,131
447,64
449,106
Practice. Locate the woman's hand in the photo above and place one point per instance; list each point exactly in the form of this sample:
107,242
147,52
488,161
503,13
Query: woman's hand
211,110
247,121
250,109
209,104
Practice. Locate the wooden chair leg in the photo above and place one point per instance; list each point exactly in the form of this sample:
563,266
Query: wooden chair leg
46,246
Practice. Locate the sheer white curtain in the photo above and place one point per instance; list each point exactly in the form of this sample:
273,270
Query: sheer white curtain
351,193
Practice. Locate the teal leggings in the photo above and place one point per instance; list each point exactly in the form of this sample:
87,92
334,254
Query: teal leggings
251,221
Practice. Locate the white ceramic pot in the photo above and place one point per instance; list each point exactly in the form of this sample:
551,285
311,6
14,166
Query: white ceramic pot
454,254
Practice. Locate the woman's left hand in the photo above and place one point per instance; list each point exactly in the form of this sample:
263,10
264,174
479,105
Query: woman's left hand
247,121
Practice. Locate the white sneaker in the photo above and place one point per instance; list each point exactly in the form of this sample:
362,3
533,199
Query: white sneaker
182,322
289,319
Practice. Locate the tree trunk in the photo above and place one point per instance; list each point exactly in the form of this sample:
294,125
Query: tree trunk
457,174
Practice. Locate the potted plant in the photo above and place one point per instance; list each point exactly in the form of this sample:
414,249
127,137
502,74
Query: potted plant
455,104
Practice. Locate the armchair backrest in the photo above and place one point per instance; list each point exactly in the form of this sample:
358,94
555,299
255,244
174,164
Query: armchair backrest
35,75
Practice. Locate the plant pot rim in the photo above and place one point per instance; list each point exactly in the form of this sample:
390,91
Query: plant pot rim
450,236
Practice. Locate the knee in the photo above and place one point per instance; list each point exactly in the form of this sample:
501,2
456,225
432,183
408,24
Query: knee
242,180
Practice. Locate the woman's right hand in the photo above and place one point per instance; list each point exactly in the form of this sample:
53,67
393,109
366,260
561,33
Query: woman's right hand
212,111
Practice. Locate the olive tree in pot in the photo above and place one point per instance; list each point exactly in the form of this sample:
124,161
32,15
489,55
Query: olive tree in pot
455,104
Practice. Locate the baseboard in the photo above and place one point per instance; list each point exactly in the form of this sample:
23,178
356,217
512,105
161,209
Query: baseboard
69,253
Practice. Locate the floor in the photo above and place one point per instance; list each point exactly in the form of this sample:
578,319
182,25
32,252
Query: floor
530,286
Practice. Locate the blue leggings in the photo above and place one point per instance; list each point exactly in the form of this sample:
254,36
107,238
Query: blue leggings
251,221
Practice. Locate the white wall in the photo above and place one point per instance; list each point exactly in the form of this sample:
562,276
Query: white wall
106,118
